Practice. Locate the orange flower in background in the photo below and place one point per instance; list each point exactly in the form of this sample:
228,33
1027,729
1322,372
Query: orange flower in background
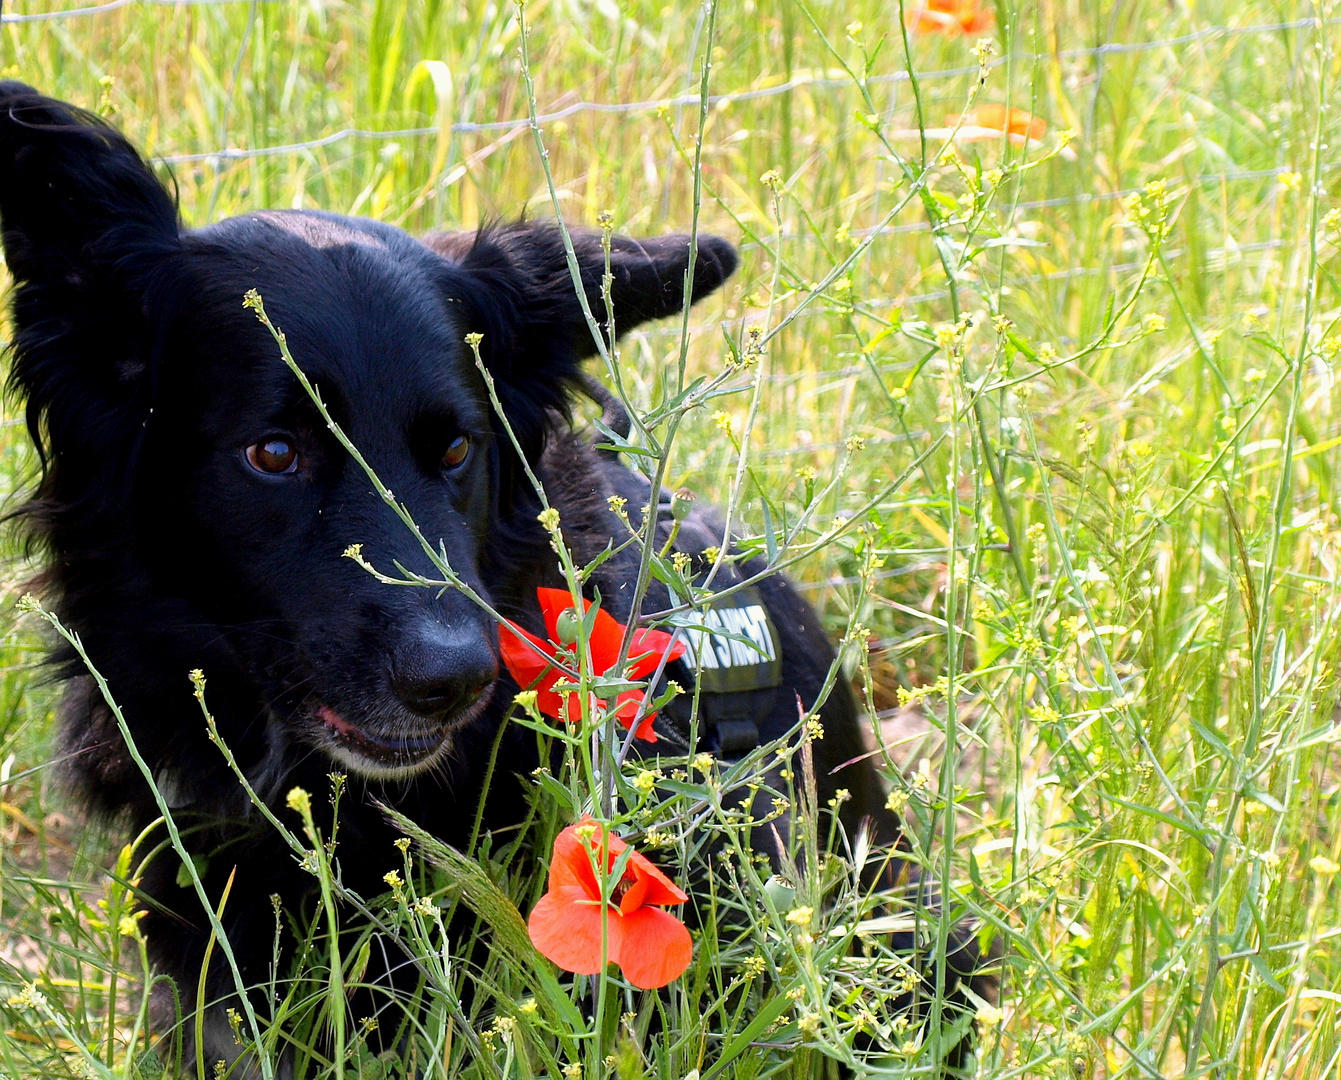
988,122
948,17
651,946
533,671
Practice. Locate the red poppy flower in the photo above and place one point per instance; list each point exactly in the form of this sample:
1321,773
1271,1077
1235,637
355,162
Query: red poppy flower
533,671
651,946
948,17
992,121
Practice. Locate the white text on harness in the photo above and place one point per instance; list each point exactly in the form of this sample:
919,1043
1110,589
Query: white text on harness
720,644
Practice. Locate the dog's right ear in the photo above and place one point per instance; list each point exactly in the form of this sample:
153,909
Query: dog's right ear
518,292
85,226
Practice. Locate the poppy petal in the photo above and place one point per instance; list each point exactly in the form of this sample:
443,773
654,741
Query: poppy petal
949,17
655,947
1019,122
566,928
607,635
660,888
614,845
929,20
547,701
993,120
647,649
529,671
990,115
626,711
635,895
576,854
522,662
571,865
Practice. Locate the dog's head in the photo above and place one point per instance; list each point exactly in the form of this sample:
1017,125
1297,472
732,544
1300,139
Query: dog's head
194,503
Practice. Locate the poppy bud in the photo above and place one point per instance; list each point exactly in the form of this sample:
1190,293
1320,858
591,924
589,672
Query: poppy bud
568,626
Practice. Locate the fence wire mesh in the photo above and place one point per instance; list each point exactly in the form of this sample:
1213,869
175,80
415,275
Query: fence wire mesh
874,307
1110,48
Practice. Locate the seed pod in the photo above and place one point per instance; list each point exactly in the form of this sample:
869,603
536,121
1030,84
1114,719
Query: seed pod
780,893
681,503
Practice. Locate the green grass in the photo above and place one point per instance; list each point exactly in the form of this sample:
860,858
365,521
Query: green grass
1095,547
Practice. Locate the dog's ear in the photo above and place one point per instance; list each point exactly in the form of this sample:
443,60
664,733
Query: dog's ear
522,300
85,226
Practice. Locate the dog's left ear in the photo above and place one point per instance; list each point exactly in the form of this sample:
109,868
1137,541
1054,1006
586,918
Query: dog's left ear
522,300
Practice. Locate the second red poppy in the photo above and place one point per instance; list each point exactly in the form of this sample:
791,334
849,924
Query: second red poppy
537,664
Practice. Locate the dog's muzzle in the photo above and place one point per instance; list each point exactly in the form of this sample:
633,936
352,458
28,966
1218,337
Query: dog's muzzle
405,751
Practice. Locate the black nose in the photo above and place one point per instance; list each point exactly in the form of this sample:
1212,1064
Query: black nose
437,671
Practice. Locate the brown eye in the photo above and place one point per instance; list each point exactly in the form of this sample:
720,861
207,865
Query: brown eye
273,456
457,452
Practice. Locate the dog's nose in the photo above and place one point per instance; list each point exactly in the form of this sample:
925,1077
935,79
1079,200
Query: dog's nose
436,671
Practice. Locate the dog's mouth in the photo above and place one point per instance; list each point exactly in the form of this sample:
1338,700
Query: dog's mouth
374,752
388,750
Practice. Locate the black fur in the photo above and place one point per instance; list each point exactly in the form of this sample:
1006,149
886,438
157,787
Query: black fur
145,381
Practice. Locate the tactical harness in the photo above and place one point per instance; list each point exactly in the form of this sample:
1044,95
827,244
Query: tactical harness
732,655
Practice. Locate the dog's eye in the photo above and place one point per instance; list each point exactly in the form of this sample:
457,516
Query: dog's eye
457,452
273,456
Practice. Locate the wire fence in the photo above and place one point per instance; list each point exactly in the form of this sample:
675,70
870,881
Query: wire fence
1221,255
1082,198
113,5
223,154
1224,256
226,154
1216,258
736,96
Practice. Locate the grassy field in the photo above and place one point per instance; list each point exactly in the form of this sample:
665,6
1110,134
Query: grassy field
1074,401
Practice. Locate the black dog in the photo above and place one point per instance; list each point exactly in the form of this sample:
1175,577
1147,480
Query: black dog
194,508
